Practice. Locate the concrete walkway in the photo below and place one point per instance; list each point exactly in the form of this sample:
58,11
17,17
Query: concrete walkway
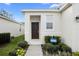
34,50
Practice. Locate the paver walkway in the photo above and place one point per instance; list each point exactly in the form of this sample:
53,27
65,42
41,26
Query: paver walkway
34,50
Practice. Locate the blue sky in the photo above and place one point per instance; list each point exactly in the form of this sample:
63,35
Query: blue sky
15,8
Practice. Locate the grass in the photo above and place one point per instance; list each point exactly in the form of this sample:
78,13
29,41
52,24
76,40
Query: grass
10,46
75,53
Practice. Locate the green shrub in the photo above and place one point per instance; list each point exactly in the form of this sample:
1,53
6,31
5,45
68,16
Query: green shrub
50,48
53,49
64,47
48,45
47,39
23,44
12,53
58,38
20,51
12,37
17,52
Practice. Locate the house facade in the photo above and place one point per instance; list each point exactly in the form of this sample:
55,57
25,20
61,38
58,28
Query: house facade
46,22
8,25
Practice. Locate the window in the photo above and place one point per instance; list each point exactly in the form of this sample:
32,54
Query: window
49,25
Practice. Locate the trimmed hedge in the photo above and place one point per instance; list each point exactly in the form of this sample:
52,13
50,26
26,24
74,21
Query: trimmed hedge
57,49
64,47
23,44
4,38
47,39
58,39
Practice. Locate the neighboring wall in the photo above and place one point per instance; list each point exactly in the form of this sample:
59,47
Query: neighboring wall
22,29
69,28
9,26
76,13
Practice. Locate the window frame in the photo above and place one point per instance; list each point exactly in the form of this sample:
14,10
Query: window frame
49,25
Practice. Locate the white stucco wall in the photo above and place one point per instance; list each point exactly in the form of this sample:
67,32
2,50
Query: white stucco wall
43,20
69,28
64,24
56,20
76,13
22,29
11,27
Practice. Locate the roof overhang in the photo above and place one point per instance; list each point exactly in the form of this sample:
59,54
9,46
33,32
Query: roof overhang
39,10
62,8
65,6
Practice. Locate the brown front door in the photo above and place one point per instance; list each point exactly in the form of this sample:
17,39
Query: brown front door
35,30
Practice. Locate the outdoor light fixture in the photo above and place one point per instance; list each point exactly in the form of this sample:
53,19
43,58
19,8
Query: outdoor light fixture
77,18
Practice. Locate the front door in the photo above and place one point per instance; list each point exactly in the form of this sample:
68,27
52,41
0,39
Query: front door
35,30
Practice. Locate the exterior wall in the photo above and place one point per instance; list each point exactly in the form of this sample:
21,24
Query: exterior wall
43,31
69,28
11,27
76,13
64,24
56,20
22,29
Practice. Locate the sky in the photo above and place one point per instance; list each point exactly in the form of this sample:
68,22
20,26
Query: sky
15,8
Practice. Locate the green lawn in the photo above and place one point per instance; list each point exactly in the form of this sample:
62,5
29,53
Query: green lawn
10,46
